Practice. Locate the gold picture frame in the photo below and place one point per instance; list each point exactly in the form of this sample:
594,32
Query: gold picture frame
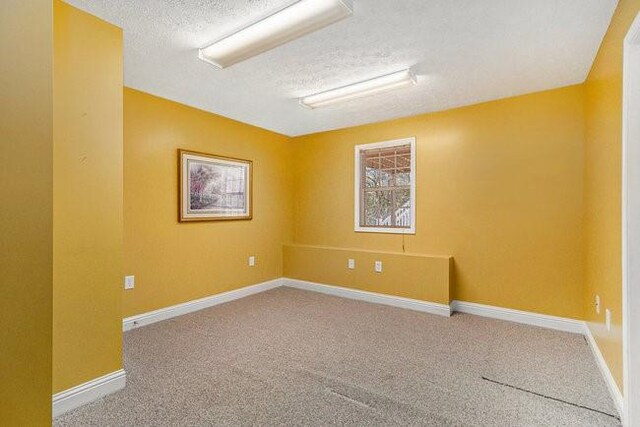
214,188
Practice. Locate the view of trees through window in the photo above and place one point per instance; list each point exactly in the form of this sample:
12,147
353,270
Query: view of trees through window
385,187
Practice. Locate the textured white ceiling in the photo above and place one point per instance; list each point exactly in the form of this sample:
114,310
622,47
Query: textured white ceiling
463,51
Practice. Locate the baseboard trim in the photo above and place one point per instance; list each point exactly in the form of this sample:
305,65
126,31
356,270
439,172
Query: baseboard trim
615,392
88,392
526,317
372,297
150,317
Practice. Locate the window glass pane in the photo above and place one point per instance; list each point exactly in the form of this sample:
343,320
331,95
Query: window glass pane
371,162
403,161
385,178
377,208
370,208
385,207
403,198
402,208
403,178
388,160
371,178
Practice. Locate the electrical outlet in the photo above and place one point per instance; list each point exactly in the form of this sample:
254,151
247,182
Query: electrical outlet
351,264
378,267
129,282
597,304
607,314
252,261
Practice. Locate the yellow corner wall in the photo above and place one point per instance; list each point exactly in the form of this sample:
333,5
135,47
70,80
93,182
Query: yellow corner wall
415,276
499,188
177,262
26,150
87,198
603,181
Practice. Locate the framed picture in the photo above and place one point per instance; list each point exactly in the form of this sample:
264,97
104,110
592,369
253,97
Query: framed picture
214,188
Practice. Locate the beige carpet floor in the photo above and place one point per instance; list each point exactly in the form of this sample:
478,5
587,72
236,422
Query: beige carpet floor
291,357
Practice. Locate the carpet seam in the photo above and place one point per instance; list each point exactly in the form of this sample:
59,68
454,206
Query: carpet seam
551,398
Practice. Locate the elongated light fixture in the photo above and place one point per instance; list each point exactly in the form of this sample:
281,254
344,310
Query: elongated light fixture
357,90
296,20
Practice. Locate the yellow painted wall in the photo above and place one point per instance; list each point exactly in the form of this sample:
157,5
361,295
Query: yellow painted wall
603,180
26,150
499,188
177,262
415,276
87,198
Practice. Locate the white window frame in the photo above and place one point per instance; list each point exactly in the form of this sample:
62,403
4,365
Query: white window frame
385,144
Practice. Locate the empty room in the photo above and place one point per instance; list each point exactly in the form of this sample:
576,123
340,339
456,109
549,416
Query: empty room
320,212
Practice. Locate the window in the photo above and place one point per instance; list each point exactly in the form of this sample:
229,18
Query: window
385,189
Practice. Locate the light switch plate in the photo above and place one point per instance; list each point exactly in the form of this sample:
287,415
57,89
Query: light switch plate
351,264
129,282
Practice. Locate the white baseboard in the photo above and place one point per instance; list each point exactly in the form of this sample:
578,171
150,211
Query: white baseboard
88,392
604,368
195,305
408,303
526,317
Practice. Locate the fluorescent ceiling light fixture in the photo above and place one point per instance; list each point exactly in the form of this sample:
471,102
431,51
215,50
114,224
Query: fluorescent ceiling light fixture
296,20
376,85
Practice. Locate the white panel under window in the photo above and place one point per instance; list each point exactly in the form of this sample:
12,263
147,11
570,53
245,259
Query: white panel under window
385,187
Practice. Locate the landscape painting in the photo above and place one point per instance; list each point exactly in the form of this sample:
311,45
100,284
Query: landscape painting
214,187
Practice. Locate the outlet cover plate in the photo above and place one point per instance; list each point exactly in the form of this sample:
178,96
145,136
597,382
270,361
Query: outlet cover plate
378,267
